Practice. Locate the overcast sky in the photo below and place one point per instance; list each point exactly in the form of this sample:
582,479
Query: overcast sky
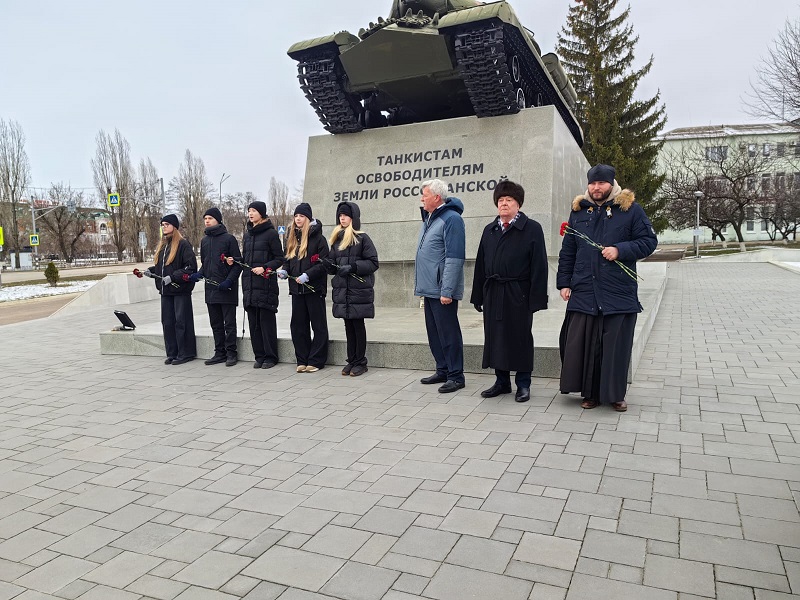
214,77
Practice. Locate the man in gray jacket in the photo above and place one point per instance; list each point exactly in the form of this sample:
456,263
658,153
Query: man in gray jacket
439,279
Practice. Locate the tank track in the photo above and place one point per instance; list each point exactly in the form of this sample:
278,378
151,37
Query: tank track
536,80
481,57
322,82
482,53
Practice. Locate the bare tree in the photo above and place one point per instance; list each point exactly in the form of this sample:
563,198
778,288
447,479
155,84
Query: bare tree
67,222
730,178
149,205
234,212
279,206
776,91
15,174
781,209
113,171
191,190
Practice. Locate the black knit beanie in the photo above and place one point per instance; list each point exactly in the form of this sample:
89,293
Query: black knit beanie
344,209
259,206
601,173
304,208
172,220
214,213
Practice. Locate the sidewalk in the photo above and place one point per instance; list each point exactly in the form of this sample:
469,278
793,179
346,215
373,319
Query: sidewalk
123,478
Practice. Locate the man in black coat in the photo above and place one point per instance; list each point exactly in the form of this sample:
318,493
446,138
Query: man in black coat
222,289
509,285
601,289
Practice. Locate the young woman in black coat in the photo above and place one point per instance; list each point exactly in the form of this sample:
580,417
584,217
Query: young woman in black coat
264,254
306,248
175,262
352,261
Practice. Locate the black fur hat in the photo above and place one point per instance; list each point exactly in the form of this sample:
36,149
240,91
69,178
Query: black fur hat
509,188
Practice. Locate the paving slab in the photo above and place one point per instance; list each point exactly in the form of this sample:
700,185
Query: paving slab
217,483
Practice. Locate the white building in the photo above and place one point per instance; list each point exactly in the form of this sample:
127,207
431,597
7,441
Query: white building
778,144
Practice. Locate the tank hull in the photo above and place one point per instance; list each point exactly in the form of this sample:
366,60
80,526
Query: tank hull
476,60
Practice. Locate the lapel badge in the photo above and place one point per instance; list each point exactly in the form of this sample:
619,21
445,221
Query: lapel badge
590,210
608,211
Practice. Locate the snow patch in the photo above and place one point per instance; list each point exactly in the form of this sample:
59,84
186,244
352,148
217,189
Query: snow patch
40,290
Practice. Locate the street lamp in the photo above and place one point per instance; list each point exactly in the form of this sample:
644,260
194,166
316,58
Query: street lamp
698,195
221,179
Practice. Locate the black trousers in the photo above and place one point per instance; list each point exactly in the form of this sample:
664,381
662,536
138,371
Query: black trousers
595,355
444,338
263,334
356,333
308,312
223,326
521,378
177,322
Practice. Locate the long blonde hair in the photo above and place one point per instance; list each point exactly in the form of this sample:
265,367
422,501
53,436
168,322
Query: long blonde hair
349,237
293,249
174,240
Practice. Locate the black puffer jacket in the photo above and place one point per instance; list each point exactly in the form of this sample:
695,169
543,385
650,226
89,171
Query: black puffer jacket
353,299
318,249
215,243
262,248
185,263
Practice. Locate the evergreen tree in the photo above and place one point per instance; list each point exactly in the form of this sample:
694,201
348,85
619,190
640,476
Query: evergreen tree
597,51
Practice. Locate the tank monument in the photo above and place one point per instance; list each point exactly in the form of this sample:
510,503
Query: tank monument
449,89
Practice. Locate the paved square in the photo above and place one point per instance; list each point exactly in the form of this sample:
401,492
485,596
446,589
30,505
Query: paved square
123,478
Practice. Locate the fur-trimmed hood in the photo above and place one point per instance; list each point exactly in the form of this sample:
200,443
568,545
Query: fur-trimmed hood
622,198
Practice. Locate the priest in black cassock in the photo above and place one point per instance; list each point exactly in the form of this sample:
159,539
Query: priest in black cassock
601,288
509,285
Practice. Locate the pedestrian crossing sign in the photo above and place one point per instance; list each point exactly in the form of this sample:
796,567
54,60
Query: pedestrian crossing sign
113,200
281,229
35,239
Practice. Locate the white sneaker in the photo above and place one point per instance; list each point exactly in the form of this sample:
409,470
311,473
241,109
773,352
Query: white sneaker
301,368
311,369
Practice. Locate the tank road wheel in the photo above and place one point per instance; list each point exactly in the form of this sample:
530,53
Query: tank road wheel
521,98
516,70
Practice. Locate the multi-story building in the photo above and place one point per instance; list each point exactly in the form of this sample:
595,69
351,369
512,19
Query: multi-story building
768,154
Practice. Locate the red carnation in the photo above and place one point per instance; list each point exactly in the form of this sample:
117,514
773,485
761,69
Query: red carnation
222,257
564,226
185,277
315,259
138,273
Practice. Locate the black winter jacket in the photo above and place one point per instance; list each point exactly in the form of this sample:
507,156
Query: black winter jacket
353,299
216,242
318,278
185,263
262,248
597,284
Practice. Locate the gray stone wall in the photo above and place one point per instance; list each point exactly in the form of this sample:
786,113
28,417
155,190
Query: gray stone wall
381,170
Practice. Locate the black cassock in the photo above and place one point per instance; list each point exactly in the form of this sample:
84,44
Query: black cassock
510,283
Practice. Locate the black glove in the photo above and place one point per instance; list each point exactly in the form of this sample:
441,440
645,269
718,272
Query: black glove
225,285
345,270
478,307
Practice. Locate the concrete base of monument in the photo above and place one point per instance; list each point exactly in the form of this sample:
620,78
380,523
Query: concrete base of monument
396,336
